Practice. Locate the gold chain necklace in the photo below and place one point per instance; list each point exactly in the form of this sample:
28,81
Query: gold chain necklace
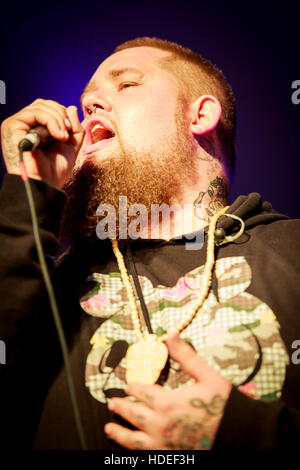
147,357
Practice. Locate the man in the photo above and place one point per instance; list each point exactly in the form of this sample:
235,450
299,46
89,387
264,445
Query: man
158,129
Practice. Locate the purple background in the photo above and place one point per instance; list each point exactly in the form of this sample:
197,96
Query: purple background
51,50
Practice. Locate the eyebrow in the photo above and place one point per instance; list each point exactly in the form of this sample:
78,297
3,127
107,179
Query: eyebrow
117,72
113,74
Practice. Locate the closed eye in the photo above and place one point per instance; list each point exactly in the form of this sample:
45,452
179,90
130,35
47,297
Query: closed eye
124,85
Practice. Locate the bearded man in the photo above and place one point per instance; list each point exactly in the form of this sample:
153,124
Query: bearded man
205,333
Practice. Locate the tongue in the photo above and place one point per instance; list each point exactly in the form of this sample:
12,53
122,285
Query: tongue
100,134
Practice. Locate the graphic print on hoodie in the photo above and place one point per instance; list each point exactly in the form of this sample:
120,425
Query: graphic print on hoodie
234,331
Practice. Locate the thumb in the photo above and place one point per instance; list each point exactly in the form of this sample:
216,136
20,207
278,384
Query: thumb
187,358
77,129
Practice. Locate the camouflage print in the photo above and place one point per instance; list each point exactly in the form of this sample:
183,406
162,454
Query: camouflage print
235,332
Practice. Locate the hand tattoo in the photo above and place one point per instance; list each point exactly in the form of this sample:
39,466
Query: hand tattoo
138,445
214,408
140,420
11,152
149,397
189,432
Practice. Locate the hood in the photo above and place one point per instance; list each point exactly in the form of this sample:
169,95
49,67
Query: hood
252,210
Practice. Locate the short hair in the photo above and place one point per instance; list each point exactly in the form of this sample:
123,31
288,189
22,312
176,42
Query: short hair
198,76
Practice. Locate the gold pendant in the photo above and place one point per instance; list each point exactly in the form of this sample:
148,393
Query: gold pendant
145,360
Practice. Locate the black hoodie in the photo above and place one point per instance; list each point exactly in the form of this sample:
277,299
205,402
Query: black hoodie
247,328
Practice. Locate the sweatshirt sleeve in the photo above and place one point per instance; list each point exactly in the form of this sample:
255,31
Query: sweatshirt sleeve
254,424
26,325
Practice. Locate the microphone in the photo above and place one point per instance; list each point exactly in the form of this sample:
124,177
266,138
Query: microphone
38,136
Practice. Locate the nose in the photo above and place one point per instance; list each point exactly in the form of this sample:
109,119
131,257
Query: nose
94,101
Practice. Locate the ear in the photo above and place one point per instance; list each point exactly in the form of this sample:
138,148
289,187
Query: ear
206,112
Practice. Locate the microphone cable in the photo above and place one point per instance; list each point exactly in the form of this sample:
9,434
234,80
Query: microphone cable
45,273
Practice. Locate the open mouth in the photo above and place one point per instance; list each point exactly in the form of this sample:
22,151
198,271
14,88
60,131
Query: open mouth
97,136
99,132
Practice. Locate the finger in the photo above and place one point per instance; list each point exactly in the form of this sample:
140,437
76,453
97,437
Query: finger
134,440
187,358
77,129
33,116
152,395
57,107
57,115
139,415
72,114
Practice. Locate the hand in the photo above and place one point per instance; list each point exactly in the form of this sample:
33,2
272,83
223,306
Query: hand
181,419
53,165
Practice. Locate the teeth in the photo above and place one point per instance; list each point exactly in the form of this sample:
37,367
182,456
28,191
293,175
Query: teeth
97,126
